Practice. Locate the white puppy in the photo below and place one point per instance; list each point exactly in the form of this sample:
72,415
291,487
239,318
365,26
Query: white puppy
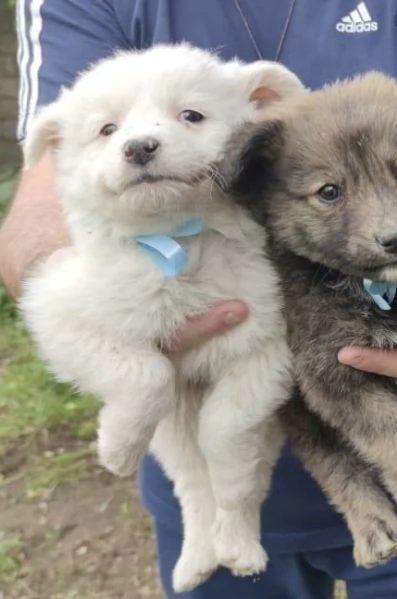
155,242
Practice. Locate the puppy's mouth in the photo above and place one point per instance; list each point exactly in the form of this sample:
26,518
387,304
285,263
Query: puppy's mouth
149,179
381,266
377,272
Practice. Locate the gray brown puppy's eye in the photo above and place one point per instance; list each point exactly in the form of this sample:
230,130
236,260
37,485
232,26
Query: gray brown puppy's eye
191,116
108,129
330,193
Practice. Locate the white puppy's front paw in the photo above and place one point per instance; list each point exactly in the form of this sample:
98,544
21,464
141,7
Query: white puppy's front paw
194,567
120,446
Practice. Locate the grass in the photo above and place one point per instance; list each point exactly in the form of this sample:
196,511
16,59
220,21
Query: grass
56,469
11,557
8,179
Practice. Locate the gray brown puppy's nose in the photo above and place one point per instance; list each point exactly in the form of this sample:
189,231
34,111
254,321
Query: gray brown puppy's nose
388,242
140,151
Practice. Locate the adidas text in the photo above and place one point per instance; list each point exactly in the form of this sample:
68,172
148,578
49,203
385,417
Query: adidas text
357,27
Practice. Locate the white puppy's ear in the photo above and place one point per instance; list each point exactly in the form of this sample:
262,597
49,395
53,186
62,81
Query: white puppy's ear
45,132
269,81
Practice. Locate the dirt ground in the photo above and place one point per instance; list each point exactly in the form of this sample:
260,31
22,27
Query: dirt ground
87,541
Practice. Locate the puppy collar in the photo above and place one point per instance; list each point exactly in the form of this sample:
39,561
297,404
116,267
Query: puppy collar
382,294
165,252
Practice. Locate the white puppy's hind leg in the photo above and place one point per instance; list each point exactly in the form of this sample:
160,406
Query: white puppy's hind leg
175,445
198,559
241,441
236,531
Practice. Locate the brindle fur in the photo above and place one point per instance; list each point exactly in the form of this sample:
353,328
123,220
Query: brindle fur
342,422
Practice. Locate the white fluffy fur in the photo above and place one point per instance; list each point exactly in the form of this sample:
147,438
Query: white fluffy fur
100,313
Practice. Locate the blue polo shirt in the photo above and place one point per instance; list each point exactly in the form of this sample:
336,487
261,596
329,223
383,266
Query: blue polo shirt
321,40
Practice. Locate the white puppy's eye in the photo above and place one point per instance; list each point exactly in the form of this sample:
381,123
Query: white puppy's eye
191,116
108,129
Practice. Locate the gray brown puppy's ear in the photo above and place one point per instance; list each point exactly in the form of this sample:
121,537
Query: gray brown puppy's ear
250,158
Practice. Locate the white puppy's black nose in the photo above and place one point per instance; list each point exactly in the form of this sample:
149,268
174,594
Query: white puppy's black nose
140,151
388,242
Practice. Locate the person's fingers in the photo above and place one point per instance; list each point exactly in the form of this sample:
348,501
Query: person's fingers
377,361
216,321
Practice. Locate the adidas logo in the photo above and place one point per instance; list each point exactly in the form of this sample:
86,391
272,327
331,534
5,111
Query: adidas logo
357,21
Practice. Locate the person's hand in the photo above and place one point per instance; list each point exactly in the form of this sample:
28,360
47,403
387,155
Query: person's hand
216,321
377,361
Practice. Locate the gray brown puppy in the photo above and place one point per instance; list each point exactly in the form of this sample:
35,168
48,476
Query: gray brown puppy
321,176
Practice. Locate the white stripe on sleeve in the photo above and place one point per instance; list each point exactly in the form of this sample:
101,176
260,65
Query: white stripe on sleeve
22,59
29,26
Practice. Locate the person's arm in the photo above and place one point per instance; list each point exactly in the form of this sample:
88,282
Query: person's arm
33,228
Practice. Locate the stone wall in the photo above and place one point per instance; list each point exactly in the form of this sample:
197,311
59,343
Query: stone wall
9,150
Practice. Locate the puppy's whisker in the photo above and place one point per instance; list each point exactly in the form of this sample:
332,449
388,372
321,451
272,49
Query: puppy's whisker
211,192
217,177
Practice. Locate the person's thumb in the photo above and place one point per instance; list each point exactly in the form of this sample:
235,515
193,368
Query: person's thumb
216,321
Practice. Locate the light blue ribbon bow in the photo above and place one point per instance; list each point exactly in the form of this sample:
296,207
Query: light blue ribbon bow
165,252
383,294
